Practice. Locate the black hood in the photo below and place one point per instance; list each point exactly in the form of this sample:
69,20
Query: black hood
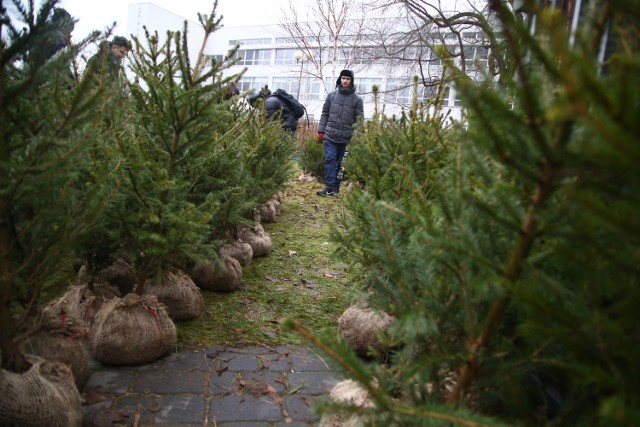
347,73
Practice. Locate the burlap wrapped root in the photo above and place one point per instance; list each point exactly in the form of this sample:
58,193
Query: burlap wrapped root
58,336
239,250
224,275
270,211
351,393
132,330
180,295
120,274
43,396
256,237
362,328
83,303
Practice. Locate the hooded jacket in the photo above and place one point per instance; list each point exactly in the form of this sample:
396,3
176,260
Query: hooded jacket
341,111
275,107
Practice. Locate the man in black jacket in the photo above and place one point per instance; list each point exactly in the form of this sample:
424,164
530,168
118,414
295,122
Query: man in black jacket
275,108
341,111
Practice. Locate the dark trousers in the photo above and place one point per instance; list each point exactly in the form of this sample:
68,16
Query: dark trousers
333,154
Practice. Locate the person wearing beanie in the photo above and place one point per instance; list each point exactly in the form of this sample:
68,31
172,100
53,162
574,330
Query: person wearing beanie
340,113
107,63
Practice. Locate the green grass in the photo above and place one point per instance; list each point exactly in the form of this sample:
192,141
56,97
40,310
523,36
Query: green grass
297,279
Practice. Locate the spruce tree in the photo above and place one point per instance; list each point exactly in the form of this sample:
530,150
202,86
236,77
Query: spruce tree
197,165
508,249
49,125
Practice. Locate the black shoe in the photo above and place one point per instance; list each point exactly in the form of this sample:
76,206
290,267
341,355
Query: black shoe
327,191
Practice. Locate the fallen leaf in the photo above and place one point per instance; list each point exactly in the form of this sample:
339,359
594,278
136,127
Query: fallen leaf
329,275
107,417
92,397
271,279
292,253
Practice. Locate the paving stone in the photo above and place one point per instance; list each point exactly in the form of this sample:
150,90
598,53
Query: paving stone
181,409
223,383
112,381
170,382
279,362
243,408
234,385
312,382
264,378
183,361
305,360
89,411
244,425
300,407
147,407
238,361
295,425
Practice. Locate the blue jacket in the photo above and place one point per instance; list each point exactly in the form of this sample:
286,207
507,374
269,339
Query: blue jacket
340,113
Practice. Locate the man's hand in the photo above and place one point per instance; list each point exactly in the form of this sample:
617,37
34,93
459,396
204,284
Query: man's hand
320,136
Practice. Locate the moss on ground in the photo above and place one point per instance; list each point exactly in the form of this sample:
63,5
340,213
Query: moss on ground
297,279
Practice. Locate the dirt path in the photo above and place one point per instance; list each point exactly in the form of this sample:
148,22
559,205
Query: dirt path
298,279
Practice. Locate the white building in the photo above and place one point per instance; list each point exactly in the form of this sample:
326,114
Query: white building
269,56
156,19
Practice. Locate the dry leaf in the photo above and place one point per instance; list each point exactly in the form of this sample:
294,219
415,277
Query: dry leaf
292,253
92,397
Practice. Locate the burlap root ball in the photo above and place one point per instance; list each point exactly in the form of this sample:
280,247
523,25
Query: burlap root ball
307,177
179,294
225,276
119,274
56,347
58,336
347,391
268,212
277,203
83,303
43,396
360,326
239,250
256,237
277,197
132,330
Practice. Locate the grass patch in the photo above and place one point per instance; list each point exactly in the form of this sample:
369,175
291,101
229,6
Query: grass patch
297,279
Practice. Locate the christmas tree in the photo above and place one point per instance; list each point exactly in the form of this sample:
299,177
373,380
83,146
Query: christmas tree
507,246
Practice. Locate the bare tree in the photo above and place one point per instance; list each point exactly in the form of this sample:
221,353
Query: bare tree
328,36
402,38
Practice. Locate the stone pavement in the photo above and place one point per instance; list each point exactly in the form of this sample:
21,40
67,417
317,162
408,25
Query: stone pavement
218,386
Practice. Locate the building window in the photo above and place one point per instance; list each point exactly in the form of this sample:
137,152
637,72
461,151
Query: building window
475,57
310,88
365,88
285,57
254,57
399,91
452,93
256,83
285,40
247,42
289,84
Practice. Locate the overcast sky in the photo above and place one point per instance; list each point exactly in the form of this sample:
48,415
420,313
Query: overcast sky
98,14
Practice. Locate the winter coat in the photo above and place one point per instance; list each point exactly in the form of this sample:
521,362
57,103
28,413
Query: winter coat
103,66
276,108
340,113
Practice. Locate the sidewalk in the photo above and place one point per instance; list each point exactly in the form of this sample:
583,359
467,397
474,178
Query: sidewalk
219,386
